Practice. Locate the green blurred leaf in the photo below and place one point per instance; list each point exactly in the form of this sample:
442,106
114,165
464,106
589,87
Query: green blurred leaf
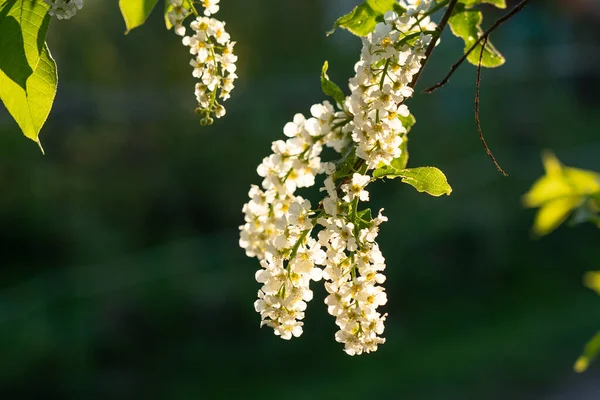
362,19
590,352
27,71
402,161
407,121
168,9
329,87
559,192
592,280
425,179
135,12
466,24
554,213
471,3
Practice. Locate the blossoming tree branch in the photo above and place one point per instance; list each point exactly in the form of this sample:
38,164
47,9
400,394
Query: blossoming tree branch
347,143
297,242
28,73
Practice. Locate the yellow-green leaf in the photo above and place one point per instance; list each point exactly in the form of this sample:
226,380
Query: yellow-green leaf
362,19
135,12
27,71
425,179
465,23
591,350
554,213
592,280
329,87
471,3
561,181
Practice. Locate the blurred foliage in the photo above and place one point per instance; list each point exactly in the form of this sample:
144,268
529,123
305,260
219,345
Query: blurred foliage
121,275
559,192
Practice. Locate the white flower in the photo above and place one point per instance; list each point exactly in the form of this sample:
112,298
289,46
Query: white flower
356,189
64,9
210,7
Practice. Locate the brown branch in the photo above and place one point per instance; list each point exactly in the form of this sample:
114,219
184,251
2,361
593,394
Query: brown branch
485,36
440,28
478,83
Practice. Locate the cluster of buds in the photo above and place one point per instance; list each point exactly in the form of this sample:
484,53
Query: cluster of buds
367,132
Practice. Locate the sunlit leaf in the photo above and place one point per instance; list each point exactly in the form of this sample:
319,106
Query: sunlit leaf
554,213
472,3
135,12
362,19
27,71
465,23
329,87
407,121
559,182
590,352
592,280
425,179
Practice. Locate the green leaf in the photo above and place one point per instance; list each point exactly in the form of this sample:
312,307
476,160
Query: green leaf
471,3
23,28
329,87
560,191
135,12
466,24
407,121
590,352
363,219
168,9
561,181
425,179
591,279
362,19
554,213
27,71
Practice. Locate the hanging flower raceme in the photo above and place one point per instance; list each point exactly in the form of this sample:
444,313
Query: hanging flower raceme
367,131
64,9
213,62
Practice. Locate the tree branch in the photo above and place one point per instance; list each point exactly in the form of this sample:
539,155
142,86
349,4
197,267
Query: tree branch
477,84
440,28
485,36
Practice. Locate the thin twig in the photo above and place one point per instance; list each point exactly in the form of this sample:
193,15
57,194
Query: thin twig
440,28
478,83
485,35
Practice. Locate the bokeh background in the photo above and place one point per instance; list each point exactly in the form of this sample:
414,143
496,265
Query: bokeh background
120,271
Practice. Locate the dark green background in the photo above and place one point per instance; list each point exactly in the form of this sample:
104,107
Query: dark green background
120,272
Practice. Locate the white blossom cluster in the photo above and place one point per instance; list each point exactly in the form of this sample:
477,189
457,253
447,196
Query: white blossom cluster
214,61
278,223
64,9
391,55
353,275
